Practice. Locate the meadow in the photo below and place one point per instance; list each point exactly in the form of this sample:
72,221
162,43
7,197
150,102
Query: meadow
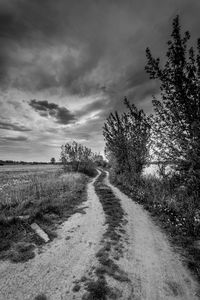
15,181
41,194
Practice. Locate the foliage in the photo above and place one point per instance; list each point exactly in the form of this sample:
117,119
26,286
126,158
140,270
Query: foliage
78,158
176,130
39,194
99,160
75,153
173,209
127,138
53,160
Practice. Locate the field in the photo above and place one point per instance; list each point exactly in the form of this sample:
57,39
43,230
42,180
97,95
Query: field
41,194
16,182
22,186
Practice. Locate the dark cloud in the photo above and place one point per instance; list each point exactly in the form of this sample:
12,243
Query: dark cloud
22,19
15,139
107,36
36,25
43,105
61,114
80,50
13,126
134,78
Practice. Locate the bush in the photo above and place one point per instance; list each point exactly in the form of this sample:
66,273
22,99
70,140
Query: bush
78,158
87,169
127,142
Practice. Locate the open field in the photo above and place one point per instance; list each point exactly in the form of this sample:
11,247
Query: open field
16,182
41,194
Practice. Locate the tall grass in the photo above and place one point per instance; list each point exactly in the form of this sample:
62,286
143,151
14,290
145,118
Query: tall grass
22,197
46,198
173,207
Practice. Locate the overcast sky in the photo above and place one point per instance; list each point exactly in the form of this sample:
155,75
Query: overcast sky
64,65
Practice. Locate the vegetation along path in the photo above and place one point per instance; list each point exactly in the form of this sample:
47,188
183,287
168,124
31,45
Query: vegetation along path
53,272
111,251
156,272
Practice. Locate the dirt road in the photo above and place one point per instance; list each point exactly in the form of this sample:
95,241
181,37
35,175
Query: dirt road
155,272
63,261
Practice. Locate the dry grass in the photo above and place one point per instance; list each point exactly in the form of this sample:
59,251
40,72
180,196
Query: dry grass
111,243
47,196
19,196
19,183
173,209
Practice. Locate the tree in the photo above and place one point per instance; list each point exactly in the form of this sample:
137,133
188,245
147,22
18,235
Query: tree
176,130
78,157
98,160
53,160
126,137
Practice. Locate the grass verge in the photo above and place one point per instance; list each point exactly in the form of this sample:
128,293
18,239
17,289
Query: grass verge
47,200
170,209
112,246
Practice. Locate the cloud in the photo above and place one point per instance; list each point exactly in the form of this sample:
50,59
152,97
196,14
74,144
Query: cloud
13,126
84,57
15,138
39,30
79,46
93,107
61,114
43,105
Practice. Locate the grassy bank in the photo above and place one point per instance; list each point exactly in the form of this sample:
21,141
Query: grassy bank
173,210
111,247
46,197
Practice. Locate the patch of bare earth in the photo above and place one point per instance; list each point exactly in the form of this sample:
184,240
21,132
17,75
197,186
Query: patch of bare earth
156,272
55,270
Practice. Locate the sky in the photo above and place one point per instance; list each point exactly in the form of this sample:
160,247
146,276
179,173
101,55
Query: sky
66,64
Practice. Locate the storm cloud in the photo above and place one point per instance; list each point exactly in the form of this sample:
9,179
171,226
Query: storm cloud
83,57
61,114
80,46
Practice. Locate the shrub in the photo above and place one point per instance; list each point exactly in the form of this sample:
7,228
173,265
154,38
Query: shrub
78,158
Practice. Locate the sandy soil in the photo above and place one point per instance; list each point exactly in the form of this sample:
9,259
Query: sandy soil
61,262
155,270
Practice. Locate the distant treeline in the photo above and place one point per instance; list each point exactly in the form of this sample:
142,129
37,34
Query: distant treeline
13,162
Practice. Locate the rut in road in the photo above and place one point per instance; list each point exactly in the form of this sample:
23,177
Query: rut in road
62,262
155,270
